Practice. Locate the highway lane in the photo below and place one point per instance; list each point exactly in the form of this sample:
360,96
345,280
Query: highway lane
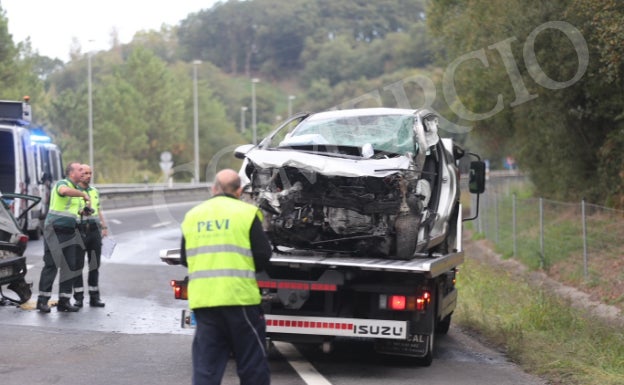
136,337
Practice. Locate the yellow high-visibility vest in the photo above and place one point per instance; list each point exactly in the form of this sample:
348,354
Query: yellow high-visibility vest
63,209
94,197
218,251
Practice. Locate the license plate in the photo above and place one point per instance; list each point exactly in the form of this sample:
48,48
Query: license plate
6,271
188,319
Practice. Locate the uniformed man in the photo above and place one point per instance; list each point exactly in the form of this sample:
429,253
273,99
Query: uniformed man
223,245
93,228
62,241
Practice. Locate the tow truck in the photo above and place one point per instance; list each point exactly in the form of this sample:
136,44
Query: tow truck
367,236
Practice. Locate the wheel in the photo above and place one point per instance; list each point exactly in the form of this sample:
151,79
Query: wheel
406,227
443,325
35,234
22,289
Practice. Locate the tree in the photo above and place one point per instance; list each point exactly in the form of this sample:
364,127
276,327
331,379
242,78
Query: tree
558,134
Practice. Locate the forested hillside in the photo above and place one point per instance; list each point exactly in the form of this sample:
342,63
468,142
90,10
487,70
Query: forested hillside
537,81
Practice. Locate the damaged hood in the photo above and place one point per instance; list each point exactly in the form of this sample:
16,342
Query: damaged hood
328,165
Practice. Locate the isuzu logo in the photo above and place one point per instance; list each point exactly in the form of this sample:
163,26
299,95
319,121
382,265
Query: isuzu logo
375,330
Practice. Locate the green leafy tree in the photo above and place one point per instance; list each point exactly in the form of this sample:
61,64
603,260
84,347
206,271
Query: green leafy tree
561,136
17,75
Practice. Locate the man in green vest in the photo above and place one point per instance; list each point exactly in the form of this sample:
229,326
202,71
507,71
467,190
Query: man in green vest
61,240
92,227
223,245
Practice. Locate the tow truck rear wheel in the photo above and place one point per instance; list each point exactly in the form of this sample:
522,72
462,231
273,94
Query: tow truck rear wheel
444,325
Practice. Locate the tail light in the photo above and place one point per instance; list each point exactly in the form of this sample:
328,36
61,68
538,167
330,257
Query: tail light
180,289
399,302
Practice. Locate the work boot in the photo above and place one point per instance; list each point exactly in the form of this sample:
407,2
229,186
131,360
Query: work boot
42,305
65,305
78,303
96,302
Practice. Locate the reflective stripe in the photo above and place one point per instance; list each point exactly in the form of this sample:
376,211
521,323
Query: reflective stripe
65,295
47,294
62,214
79,289
223,273
94,288
218,249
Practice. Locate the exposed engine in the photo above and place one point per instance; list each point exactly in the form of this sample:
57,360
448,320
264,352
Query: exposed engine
357,215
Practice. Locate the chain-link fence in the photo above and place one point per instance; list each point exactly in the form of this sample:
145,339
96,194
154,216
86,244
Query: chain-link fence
577,242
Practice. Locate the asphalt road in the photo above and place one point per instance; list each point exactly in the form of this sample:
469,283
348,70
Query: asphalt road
136,338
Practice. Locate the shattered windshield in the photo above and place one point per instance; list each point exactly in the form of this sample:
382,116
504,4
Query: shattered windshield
384,133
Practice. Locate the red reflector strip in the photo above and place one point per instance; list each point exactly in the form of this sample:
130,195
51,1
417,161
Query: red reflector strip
323,287
309,324
267,284
296,285
293,285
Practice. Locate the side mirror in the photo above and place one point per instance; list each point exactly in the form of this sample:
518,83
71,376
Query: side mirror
476,178
241,151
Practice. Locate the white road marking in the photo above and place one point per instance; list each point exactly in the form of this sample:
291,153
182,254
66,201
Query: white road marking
116,221
304,369
161,224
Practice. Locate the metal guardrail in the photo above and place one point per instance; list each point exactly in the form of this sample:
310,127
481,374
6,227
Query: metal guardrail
122,195
117,196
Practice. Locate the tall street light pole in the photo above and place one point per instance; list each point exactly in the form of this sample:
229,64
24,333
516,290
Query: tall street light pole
290,99
90,98
242,122
196,120
253,109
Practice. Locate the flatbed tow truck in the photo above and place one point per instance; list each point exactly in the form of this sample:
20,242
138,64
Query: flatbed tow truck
363,210
315,297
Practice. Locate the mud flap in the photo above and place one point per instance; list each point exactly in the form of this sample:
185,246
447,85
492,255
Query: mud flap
414,346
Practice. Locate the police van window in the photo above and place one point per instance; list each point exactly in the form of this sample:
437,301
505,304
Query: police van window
7,162
57,165
27,172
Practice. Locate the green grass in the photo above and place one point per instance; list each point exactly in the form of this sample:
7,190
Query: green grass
542,333
562,255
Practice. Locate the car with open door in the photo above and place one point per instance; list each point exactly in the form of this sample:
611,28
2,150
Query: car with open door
13,243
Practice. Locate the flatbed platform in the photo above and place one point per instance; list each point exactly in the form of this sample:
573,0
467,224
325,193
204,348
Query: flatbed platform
432,266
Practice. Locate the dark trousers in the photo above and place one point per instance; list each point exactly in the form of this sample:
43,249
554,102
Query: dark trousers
92,236
61,250
240,330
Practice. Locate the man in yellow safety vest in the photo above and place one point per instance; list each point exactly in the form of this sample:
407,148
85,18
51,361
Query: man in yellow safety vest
223,245
93,228
62,241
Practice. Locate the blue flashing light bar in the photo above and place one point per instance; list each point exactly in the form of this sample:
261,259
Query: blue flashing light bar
37,135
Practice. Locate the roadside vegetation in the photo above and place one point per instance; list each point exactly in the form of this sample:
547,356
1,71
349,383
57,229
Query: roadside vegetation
536,329
561,256
505,305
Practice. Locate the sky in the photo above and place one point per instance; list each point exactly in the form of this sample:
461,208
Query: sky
52,24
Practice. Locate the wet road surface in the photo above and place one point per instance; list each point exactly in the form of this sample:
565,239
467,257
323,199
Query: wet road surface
137,337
